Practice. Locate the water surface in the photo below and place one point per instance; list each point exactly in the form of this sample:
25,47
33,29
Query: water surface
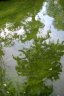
32,48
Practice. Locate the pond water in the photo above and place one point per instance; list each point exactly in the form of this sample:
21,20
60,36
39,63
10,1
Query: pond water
32,48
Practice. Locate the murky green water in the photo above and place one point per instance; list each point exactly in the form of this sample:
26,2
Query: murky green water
32,48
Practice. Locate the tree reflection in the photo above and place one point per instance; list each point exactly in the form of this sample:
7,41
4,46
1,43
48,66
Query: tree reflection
2,72
1,65
31,29
56,10
40,63
6,87
62,3
16,11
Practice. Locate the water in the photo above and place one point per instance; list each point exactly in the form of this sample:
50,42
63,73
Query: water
32,48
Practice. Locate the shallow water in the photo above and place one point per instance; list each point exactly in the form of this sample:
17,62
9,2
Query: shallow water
32,48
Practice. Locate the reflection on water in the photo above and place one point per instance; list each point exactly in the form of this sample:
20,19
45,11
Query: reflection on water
49,24
47,59
55,10
32,48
